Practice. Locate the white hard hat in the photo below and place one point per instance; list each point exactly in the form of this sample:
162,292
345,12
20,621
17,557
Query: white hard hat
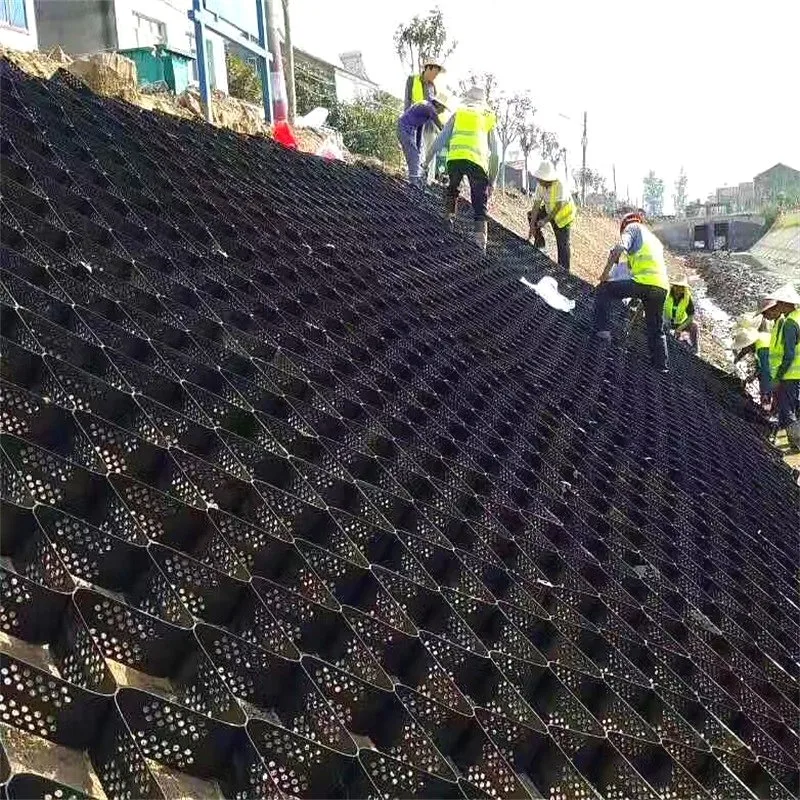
433,62
546,172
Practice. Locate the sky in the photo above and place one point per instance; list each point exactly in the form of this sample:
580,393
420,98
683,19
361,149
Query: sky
701,84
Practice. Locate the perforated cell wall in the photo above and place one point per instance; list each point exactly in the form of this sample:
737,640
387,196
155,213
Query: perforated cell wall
304,496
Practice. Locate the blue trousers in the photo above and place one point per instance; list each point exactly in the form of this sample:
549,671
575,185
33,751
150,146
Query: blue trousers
411,142
787,396
652,298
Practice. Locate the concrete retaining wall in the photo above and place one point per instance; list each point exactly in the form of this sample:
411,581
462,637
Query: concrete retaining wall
729,232
781,244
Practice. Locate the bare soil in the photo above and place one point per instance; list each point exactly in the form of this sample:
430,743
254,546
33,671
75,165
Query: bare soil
38,756
178,785
126,676
37,655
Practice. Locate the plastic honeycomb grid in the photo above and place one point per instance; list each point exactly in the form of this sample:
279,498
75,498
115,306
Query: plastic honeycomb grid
303,497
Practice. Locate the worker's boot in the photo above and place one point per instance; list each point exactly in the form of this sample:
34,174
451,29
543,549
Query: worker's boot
793,434
481,234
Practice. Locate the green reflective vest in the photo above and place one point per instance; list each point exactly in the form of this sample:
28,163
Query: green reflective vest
566,214
417,90
762,343
676,312
469,140
776,347
647,263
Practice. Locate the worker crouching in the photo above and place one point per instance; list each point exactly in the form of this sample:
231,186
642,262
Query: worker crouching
472,152
552,204
679,313
648,283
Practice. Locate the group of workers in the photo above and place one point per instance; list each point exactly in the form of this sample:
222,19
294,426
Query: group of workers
772,336
635,270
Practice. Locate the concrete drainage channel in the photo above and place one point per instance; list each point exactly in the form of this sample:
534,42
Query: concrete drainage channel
304,497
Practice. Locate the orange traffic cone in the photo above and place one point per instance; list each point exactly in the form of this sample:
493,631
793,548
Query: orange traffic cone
282,134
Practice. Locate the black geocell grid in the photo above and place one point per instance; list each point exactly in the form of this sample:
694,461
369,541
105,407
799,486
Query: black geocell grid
302,496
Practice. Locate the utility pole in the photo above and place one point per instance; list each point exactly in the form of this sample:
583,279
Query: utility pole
290,86
584,142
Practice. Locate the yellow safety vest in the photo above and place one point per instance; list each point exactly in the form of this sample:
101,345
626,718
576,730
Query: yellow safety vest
566,214
647,263
469,140
676,314
417,90
776,347
762,343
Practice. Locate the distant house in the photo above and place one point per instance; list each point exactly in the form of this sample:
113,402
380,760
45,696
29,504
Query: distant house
346,82
775,181
18,25
90,26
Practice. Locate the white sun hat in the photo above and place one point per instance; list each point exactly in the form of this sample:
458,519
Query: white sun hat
744,338
784,294
475,94
546,172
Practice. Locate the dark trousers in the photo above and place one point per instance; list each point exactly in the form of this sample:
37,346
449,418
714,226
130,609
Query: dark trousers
562,239
652,298
787,397
478,186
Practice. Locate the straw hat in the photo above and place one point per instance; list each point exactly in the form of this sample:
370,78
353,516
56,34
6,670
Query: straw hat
546,172
744,338
784,294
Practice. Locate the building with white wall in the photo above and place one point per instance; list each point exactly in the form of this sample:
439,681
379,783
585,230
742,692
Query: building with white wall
88,26
18,24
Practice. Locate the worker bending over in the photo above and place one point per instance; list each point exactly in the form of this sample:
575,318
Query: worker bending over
784,358
679,313
409,132
552,203
649,283
471,142
419,88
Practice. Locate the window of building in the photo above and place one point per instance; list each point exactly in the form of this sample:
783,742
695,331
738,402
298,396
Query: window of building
148,31
212,75
13,14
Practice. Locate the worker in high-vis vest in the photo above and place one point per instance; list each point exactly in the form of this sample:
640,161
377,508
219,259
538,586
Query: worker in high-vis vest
679,313
422,88
648,283
472,152
552,203
784,358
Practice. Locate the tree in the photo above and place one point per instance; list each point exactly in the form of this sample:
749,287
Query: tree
368,127
528,137
653,194
679,198
595,182
243,80
423,38
485,80
549,146
511,112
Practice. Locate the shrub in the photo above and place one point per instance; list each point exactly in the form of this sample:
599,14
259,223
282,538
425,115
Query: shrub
243,80
369,127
